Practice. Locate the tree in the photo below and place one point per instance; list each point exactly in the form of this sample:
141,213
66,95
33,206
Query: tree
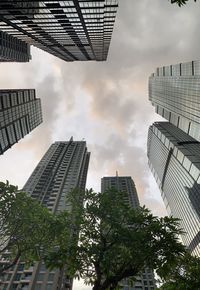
27,229
180,2
183,275
115,240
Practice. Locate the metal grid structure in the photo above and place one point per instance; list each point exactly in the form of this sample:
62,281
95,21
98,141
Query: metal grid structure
71,30
126,185
20,113
174,159
63,168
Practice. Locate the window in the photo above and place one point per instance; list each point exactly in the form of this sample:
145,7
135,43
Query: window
24,287
40,277
18,277
51,275
151,282
6,101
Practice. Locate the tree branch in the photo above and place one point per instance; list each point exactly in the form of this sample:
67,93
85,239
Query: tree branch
112,282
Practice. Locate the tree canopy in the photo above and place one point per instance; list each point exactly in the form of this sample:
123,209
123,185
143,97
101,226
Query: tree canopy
183,275
115,240
180,2
100,238
27,229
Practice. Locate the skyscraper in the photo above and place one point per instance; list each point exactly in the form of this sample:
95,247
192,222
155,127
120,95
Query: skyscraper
13,49
174,92
71,30
173,148
63,168
20,113
174,158
125,184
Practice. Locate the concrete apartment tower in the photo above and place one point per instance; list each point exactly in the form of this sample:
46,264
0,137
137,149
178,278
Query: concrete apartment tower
20,113
125,184
63,168
71,30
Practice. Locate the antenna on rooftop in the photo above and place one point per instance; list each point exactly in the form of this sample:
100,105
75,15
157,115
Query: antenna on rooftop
116,173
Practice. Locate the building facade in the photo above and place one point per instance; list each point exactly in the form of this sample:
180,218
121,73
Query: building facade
71,30
174,92
63,168
13,49
125,184
174,158
20,113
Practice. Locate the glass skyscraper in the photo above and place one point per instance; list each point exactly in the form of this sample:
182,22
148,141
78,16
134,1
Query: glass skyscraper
125,184
63,168
174,148
174,92
174,158
13,49
71,30
20,113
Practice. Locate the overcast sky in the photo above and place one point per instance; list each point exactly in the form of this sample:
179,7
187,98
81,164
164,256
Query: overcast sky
106,103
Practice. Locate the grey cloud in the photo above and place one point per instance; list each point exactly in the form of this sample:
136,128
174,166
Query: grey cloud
110,104
70,78
150,32
117,154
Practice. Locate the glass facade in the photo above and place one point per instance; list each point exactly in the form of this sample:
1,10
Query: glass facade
174,158
71,30
20,113
13,49
125,184
63,168
174,91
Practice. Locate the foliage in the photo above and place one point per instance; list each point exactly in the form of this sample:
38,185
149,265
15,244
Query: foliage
183,275
115,240
180,2
102,242
27,229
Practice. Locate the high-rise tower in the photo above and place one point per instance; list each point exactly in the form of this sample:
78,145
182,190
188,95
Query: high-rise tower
20,113
174,158
13,49
174,148
71,30
125,184
174,91
63,168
